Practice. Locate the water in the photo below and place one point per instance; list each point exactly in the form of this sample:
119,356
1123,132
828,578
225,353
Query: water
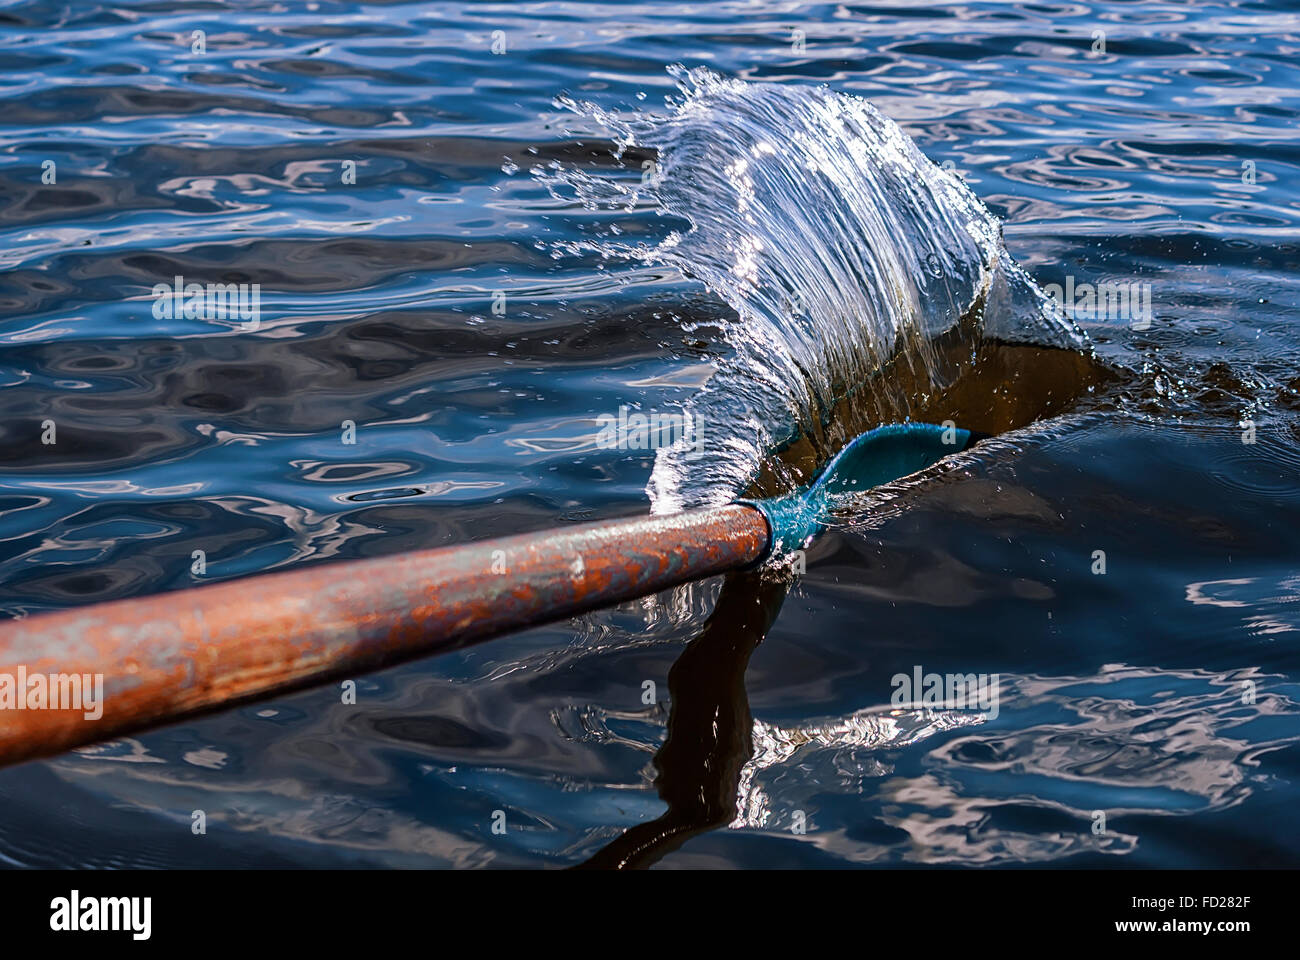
791,300
841,249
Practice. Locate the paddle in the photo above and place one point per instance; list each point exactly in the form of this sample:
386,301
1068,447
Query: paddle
171,655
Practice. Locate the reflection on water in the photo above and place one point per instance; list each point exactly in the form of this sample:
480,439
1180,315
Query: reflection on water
851,743
1126,741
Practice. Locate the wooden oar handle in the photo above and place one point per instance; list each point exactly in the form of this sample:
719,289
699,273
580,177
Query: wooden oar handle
171,655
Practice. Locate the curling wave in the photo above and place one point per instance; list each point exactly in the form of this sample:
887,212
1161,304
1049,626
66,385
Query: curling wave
859,271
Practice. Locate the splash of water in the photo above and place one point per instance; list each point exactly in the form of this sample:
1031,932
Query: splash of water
856,267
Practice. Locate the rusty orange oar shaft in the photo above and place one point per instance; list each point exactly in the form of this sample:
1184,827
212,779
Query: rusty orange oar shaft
167,656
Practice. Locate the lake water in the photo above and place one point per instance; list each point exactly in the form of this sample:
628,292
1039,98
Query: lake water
471,272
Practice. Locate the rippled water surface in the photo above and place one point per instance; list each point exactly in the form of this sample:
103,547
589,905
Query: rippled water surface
478,227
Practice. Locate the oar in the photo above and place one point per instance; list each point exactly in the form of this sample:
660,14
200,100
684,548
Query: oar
176,654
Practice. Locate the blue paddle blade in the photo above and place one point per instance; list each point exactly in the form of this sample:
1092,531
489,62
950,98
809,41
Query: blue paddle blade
877,456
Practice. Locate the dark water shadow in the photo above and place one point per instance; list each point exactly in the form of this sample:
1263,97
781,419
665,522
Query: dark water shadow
710,730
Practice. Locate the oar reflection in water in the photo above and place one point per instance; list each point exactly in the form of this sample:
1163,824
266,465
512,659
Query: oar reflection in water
710,729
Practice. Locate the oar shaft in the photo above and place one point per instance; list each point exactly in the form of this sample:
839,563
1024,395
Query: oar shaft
171,655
